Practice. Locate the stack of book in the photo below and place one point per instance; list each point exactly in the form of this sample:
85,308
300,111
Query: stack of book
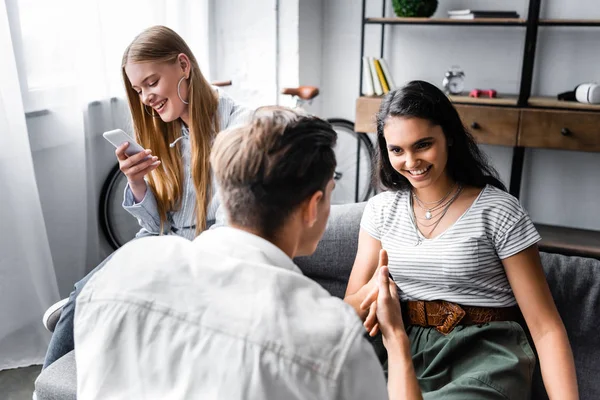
472,14
377,79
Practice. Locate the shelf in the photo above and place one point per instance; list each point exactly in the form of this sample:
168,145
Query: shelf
368,106
502,100
552,102
447,21
569,241
569,22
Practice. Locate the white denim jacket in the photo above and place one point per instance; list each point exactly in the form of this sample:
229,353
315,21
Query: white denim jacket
227,316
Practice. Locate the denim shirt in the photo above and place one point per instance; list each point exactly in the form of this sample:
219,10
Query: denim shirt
183,221
226,316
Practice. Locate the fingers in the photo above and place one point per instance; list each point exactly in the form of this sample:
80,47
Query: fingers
120,151
135,164
371,297
393,290
383,283
383,258
134,159
371,319
374,331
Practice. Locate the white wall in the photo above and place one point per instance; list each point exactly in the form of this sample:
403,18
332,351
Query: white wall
311,48
558,187
243,35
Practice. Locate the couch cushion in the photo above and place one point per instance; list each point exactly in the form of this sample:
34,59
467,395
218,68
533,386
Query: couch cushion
332,262
59,380
575,286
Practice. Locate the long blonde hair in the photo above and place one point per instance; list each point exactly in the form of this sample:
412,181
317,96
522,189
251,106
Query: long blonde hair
163,45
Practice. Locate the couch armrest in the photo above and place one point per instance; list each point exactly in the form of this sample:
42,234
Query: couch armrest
59,380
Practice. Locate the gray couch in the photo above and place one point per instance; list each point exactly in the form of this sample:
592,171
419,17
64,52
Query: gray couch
574,281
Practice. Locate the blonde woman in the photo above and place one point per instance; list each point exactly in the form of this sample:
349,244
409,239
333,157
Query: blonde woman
176,114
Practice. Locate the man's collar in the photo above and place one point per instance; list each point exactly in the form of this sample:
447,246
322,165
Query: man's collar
236,238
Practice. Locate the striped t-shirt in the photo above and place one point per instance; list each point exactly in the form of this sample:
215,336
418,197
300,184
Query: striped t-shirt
462,264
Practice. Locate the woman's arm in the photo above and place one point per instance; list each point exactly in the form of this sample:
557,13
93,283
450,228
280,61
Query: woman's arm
363,270
528,282
145,211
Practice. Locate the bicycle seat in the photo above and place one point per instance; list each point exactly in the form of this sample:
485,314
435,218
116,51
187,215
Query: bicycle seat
304,92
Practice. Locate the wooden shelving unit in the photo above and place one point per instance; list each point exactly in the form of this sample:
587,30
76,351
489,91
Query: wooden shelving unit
501,100
552,102
447,21
520,121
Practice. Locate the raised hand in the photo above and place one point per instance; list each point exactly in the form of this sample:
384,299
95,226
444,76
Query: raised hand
388,312
370,301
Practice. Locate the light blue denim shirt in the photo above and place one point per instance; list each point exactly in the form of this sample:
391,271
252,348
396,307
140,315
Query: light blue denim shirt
183,221
225,316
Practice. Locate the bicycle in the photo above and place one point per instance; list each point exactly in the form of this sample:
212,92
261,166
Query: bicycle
353,183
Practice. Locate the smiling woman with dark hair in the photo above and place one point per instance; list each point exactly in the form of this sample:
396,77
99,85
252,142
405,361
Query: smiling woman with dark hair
463,254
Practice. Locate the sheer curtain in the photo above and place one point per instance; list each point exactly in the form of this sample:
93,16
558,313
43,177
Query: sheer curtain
61,67
27,280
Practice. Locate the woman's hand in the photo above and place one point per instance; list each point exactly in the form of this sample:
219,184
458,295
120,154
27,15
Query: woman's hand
135,167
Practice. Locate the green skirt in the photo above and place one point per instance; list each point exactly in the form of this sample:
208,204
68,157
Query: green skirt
489,361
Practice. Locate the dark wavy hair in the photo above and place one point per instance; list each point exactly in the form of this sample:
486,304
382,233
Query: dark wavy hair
418,99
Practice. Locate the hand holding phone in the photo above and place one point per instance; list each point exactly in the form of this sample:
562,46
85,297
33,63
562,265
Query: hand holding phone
134,161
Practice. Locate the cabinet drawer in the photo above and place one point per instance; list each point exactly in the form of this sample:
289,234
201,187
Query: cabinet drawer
490,125
567,130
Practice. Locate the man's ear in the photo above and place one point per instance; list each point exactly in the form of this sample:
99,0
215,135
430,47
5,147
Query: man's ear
184,64
311,209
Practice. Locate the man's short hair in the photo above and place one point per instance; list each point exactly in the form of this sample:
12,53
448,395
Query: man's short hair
268,167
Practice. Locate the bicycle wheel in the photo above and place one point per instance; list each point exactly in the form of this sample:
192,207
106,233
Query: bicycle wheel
118,225
347,190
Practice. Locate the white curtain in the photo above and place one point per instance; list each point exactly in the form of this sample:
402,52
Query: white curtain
60,89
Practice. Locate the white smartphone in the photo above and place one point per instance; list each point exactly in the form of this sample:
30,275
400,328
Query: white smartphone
117,137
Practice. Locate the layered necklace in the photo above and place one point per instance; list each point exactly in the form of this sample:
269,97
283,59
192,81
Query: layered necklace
435,210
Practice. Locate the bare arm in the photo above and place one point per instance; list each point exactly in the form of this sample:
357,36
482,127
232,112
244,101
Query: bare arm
528,282
365,264
402,380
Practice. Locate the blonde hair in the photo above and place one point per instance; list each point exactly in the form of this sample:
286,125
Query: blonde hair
268,167
162,45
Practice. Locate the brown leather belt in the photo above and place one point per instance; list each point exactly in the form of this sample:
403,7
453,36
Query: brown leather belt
444,316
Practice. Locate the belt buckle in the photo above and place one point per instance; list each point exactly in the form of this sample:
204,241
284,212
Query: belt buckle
454,314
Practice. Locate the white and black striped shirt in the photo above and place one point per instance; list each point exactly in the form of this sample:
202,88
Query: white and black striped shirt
462,264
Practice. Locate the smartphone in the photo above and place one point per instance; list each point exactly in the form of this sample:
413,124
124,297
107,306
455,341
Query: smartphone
117,137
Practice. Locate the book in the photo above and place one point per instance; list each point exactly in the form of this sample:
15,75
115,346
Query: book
481,12
386,73
472,14
376,83
367,86
384,84
475,16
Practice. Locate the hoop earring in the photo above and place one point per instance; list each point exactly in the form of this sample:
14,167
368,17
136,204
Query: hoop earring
178,93
152,114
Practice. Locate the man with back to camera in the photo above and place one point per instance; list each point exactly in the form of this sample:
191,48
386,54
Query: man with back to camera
229,315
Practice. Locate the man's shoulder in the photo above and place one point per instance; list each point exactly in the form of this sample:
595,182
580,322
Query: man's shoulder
139,262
